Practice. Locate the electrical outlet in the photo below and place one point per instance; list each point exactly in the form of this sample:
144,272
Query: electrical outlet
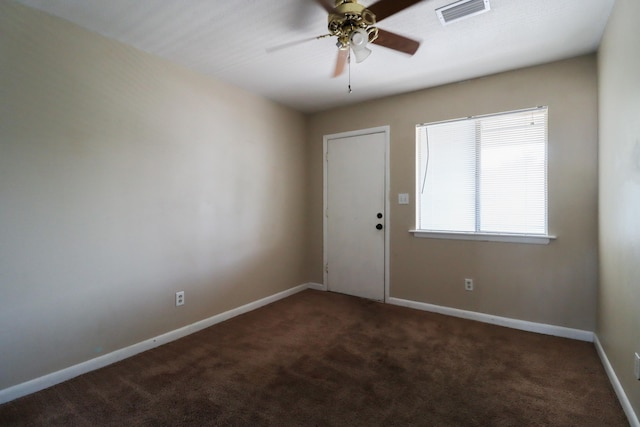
179,298
468,284
636,366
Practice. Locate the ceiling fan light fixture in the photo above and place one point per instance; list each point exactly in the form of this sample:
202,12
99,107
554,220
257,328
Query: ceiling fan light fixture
359,38
358,42
361,54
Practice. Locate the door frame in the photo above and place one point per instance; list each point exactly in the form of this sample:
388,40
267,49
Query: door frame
386,130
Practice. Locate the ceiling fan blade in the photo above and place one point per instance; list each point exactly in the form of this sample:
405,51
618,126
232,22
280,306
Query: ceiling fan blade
396,42
294,43
385,8
343,55
326,4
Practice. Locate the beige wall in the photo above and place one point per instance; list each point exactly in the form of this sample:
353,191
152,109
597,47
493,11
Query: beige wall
618,326
554,284
123,179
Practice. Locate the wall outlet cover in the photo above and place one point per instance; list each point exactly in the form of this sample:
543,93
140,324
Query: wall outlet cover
179,298
468,284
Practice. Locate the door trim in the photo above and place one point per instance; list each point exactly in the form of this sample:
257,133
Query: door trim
386,130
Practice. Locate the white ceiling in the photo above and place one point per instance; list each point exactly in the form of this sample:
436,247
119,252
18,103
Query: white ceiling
228,39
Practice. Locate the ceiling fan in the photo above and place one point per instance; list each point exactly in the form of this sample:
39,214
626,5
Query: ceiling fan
355,26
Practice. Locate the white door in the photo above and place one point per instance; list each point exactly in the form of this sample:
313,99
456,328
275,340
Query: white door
355,215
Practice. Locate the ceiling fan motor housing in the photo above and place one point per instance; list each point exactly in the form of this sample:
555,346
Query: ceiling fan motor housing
350,16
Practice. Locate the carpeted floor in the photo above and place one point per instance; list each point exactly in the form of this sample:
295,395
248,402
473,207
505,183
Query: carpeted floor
323,359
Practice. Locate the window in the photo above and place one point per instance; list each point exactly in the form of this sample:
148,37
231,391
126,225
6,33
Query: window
483,176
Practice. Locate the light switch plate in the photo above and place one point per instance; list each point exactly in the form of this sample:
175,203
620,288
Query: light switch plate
403,198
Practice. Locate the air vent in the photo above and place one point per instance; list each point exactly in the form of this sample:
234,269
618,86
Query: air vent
462,9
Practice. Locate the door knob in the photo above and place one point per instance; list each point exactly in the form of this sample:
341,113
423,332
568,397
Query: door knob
379,226
379,215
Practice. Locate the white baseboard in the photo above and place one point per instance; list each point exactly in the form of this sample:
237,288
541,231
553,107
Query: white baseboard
317,286
37,384
540,328
617,387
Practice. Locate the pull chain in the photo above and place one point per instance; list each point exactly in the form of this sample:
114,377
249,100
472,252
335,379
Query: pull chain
349,65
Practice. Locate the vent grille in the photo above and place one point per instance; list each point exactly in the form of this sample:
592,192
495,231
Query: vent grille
462,9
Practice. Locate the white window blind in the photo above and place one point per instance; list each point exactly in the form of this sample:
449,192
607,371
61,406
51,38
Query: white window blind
484,174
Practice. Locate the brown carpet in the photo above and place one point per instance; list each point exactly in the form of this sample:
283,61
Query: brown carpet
323,359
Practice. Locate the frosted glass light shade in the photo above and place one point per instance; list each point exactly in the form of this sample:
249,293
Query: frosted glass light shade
358,42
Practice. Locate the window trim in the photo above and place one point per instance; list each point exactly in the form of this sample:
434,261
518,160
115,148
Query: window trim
535,239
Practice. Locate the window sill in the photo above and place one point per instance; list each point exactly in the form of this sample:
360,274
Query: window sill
485,237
